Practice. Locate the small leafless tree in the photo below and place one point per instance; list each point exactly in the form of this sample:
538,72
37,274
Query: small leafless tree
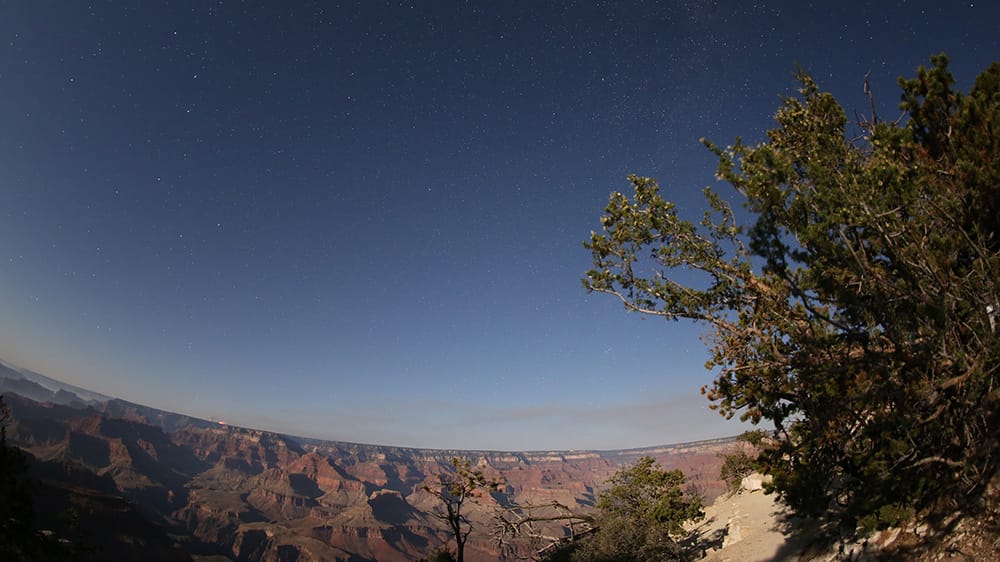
465,484
534,523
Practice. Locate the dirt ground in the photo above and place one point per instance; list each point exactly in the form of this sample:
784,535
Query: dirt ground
751,527
746,527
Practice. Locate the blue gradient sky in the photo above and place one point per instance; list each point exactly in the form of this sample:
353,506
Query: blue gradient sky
364,222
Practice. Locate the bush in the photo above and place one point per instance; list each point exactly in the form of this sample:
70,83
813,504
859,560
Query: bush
640,514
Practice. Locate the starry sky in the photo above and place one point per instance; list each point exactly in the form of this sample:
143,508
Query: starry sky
363,221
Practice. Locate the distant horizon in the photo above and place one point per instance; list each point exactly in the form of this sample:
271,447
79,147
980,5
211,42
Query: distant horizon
222,423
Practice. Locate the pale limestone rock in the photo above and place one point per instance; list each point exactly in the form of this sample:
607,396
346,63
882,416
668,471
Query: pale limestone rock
733,533
754,482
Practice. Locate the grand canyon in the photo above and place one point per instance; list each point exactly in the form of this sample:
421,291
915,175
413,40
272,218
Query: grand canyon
156,485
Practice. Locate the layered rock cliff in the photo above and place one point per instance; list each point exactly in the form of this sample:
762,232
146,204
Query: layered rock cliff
253,495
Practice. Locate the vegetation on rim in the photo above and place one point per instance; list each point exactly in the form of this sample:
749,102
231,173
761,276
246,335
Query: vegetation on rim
852,303
638,518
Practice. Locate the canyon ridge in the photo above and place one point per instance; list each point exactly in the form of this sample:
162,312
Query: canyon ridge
156,485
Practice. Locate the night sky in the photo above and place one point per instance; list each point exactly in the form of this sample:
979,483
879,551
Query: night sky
364,221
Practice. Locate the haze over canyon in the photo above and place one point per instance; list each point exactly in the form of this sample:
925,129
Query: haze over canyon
164,486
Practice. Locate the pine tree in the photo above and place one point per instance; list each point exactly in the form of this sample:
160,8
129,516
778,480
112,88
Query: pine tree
856,309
